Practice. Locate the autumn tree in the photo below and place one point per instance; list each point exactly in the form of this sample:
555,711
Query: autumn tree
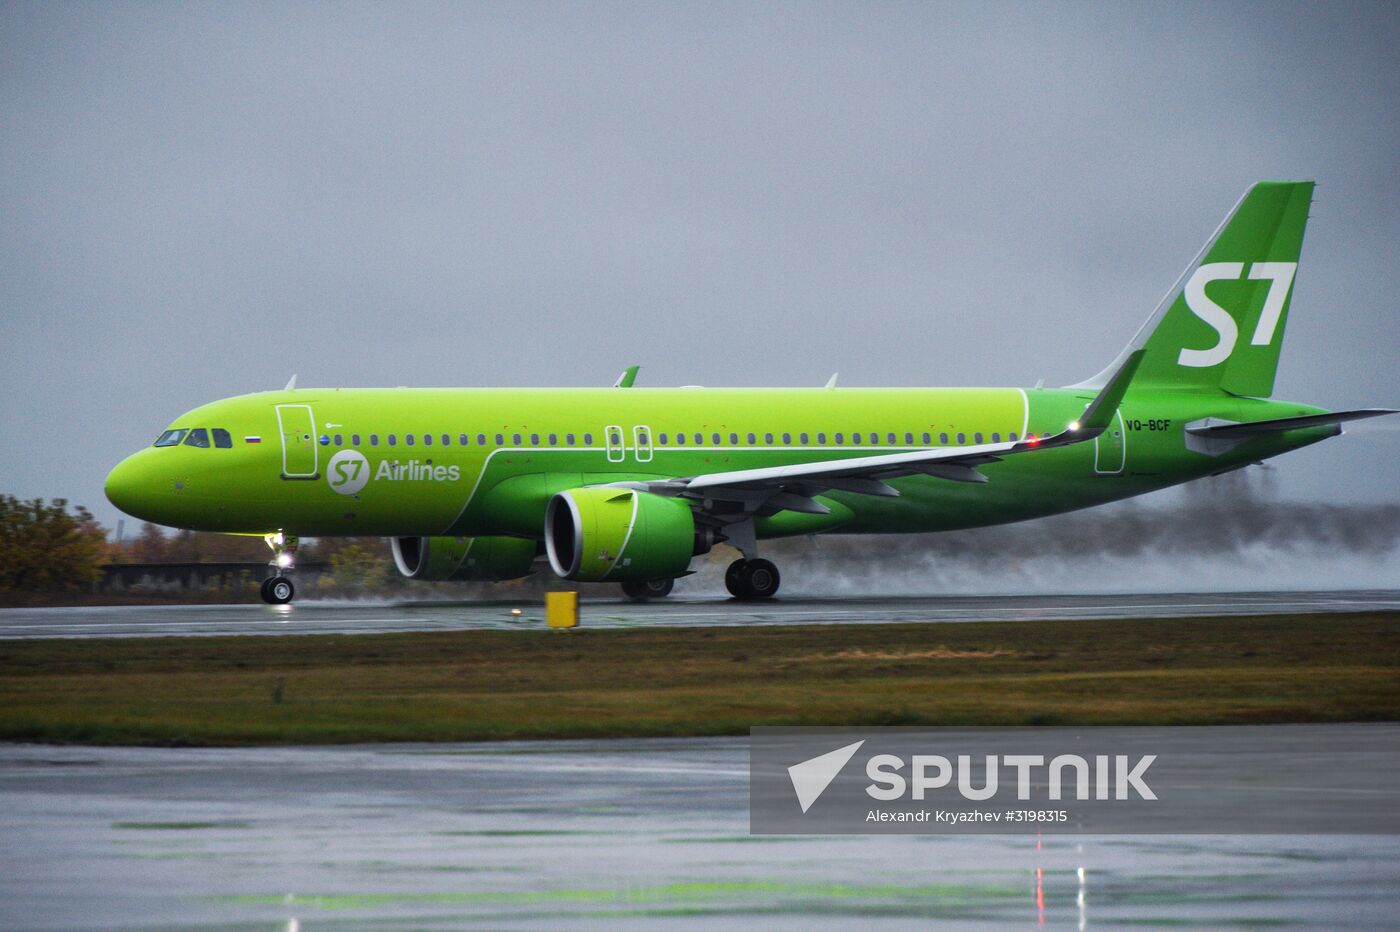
149,545
44,547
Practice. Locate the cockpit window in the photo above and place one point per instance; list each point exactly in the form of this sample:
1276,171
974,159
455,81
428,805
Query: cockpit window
171,438
199,437
221,438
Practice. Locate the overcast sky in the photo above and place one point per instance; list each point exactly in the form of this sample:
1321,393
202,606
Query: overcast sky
198,200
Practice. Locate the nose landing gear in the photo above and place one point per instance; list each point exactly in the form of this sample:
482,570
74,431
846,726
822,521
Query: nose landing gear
752,579
277,589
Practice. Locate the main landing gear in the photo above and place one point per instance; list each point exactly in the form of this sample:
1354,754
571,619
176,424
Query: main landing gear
277,589
652,589
752,579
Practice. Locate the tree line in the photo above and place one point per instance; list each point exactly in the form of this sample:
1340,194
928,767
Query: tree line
51,546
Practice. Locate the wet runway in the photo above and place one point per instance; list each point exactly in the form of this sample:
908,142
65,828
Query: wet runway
600,834
328,617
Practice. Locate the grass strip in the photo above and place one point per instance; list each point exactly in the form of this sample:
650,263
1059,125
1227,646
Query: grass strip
486,685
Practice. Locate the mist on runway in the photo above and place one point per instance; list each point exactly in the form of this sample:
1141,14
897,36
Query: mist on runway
1227,533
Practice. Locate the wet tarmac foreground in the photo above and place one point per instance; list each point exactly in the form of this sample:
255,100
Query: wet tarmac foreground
602,834
330,617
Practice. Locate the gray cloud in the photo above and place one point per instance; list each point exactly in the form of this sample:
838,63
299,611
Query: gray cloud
199,200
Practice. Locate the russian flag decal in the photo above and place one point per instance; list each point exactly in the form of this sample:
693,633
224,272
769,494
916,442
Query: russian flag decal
252,440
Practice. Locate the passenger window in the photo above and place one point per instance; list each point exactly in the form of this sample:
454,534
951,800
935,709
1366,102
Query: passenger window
199,437
374,440
768,439
891,441
171,438
221,438
324,438
787,439
927,439
500,440
943,439
463,440
733,440
1011,436
392,440
569,439
340,440
977,437
714,439
534,440
680,440
962,438
481,440
855,438
409,439
427,440
588,440
996,437
840,438
515,439
642,438
908,439
553,440
752,440
699,439
802,439
447,440
821,438
661,439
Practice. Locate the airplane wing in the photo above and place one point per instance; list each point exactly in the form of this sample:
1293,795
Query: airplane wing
794,487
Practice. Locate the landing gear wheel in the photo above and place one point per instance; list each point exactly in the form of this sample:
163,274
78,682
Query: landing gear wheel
752,579
651,589
278,590
733,578
760,579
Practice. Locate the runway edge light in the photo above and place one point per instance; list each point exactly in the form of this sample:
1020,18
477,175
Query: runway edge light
561,609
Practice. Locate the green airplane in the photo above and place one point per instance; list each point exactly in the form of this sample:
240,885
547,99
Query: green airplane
628,484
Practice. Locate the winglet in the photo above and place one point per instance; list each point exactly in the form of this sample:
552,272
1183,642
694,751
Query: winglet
1100,412
831,382
291,383
628,376
1096,417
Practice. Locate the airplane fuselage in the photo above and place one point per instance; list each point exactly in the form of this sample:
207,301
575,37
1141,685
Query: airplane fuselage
401,462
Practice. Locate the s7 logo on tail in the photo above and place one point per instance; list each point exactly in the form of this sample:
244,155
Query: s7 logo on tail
1280,278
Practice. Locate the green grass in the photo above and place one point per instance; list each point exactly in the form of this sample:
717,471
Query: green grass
478,685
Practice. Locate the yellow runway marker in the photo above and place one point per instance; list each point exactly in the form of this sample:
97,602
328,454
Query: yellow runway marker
561,609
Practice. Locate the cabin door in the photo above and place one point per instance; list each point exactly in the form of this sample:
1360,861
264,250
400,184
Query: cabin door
299,452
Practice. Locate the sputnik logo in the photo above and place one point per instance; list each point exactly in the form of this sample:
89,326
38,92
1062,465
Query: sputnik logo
811,777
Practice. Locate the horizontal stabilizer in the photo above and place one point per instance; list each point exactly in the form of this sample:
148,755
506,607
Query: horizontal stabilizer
1214,437
1213,428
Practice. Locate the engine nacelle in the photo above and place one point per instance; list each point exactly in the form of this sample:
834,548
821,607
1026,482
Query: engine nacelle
477,559
620,535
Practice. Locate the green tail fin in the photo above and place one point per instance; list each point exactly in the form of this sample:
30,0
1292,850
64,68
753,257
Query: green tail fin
1221,325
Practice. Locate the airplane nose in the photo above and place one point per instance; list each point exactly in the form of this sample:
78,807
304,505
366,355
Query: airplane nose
124,487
